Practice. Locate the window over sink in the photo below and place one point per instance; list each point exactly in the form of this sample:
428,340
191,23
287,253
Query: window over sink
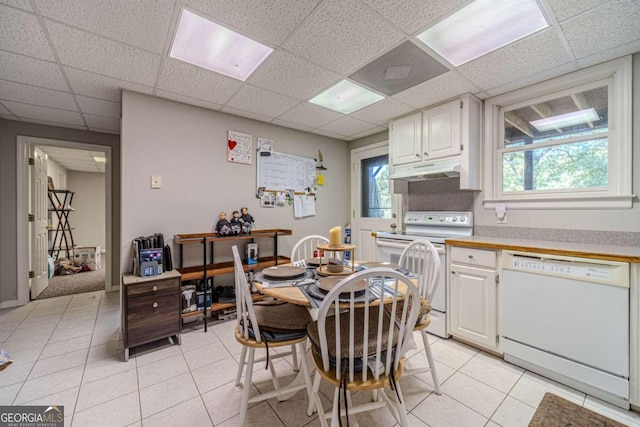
563,143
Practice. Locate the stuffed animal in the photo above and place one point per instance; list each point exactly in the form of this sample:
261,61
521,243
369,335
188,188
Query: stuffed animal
247,221
236,223
223,227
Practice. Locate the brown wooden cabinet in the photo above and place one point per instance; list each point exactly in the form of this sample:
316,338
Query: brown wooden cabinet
151,308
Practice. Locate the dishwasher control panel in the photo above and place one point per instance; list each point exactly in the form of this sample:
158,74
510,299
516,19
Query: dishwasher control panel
600,271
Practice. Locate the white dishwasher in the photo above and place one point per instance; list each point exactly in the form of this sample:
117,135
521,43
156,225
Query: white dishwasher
567,319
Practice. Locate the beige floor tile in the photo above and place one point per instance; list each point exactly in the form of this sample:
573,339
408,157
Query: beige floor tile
293,411
224,330
108,350
492,424
216,374
531,388
59,363
629,418
262,379
20,357
232,346
122,411
105,368
474,394
65,398
18,341
415,421
419,361
100,338
451,353
162,370
513,413
107,325
81,313
41,321
205,355
379,417
67,334
499,377
76,322
258,416
169,393
189,413
8,393
49,384
414,391
194,339
155,351
42,311
443,411
224,402
66,346
97,392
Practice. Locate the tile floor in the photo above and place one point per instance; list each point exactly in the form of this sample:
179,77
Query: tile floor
68,351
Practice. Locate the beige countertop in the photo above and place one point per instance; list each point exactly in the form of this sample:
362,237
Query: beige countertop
611,253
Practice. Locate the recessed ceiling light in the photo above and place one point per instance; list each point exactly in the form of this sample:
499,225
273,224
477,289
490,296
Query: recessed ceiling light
346,97
482,27
566,120
100,159
206,44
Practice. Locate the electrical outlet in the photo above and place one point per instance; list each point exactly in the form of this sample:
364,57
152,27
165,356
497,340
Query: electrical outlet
156,181
503,220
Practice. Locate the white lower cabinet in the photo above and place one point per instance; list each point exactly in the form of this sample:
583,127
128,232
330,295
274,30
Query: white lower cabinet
473,314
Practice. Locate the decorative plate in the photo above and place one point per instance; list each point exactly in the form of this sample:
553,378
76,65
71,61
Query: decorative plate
327,283
284,272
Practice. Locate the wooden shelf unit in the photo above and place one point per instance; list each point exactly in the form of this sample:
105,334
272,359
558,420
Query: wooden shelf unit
217,306
209,269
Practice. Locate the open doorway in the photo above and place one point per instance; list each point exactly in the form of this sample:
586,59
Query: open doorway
77,220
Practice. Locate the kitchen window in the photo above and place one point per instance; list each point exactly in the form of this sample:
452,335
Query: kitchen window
376,195
563,143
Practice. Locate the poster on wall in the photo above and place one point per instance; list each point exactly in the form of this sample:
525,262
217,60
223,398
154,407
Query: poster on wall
239,147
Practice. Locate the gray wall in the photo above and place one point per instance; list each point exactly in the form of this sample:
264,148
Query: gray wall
9,131
88,219
187,147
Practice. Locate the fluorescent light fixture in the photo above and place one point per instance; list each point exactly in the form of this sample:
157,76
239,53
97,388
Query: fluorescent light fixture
346,97
566,120
206,44
482,27
100,159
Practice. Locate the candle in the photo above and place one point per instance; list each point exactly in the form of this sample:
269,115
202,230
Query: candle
334,236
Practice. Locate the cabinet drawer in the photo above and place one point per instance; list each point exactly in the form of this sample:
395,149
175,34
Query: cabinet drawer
152,316
153,287
477,257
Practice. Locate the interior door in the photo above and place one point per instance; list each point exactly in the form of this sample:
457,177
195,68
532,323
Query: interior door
373,206
38,207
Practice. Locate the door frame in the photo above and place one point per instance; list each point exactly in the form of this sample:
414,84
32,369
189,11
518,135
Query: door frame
22,225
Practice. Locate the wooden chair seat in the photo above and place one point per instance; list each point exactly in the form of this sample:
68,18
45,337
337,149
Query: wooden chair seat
251,342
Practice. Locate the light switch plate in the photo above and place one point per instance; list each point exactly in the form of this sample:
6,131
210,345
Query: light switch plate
156,181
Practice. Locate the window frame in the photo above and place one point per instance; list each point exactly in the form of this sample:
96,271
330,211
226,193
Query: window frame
617,75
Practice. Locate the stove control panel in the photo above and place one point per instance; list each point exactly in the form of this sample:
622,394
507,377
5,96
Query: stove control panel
442,219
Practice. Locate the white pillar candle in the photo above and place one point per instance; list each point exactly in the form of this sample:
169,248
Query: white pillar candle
334,236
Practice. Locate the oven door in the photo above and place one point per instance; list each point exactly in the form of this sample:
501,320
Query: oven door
390,249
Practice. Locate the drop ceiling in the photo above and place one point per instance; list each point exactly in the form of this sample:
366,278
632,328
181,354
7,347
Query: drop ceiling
64,62
73,159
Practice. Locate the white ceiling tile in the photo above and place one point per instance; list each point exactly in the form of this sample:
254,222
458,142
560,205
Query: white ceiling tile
609,54
21,4
97,153
99,107
536,78
329,134
88,52
290,75
142,23
380,112
113,131
8,117
54,123
4,111
482,95
375,130
43,113
187,100
269,21
313,116
565,9
291,125
96,86
196,82
11,91
256,100
32,71
21,33
413,15
593,32
441,88
342,36
102,122
348,126
531,55
246,114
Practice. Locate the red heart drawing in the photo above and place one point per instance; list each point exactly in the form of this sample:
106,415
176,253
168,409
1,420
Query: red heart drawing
232,144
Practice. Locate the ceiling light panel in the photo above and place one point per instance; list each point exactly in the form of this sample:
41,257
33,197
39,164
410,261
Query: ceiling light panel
346,97
206,44
482,27
565,120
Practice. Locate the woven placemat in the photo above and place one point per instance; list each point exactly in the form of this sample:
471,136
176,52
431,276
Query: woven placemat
555,411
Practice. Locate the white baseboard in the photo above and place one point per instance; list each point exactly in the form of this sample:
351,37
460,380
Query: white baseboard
9,304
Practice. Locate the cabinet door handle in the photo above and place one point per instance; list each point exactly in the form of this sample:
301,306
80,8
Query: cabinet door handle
453,272
155,305
426,154
417,154
470,256
155,288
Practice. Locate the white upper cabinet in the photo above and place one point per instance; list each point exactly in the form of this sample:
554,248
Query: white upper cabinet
441,130
406,139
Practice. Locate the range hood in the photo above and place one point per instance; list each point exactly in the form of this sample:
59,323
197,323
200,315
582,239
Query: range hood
434,169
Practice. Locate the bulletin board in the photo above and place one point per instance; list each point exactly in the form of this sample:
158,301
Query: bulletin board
281,172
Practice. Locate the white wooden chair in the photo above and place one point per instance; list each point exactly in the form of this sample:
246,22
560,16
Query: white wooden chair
422,260
357,345
266,326
306,248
